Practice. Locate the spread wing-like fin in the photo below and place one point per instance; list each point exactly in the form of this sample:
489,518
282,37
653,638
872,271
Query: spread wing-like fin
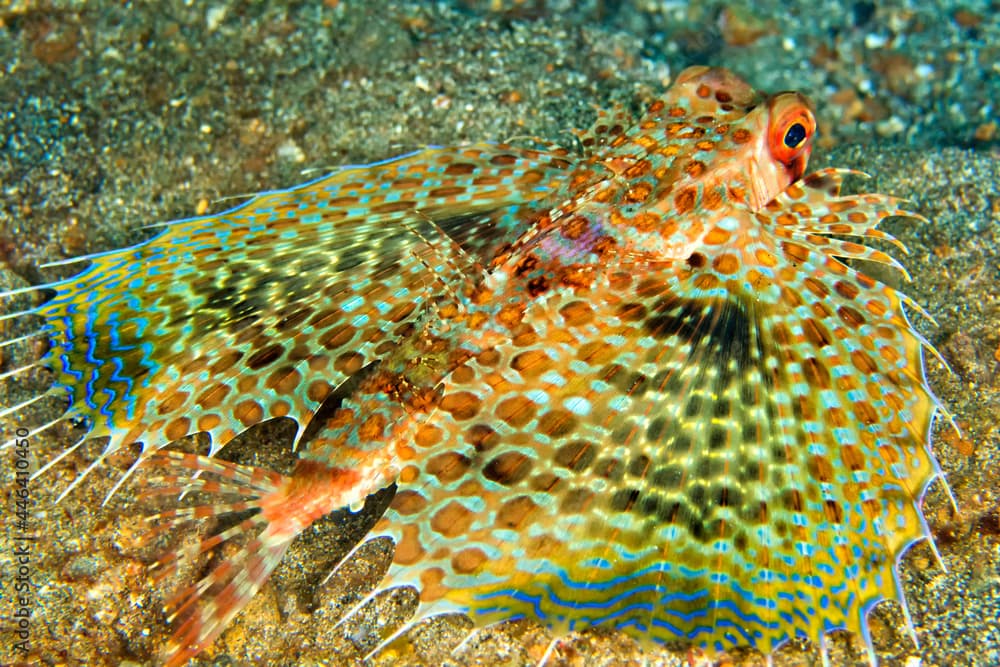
260,312
680,457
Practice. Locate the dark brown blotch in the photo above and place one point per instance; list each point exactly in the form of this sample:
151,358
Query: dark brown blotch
624,500
684,201
461,404
697,260
817,374
741,136
508,468
576,455
449,466
557,423
268,355
482,436
515,512
610,468
850,316
538,286
846,289
577,501
816,333
632,312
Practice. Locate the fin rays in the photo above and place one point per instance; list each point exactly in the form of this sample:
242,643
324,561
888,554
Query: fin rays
690,350
137,345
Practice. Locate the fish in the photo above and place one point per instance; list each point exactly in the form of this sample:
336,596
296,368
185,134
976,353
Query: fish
641,382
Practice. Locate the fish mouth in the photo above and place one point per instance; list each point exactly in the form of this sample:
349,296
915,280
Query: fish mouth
797,167
767,178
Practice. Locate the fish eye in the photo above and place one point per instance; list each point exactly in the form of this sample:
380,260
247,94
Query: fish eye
792,126
795,135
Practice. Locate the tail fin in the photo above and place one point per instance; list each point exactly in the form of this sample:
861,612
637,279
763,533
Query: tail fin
282,507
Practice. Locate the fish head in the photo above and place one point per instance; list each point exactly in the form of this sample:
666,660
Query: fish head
713,128
724,134
711,148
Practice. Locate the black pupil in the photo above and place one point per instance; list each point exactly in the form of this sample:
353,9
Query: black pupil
794,136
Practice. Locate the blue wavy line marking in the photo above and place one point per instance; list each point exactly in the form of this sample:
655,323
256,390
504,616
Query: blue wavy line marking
662,623
129,400
67,369
141,324
698,630
132,301
90,336
609,583
70,390
749,596
108,413
728,605
645,606
727,623
632,623
603,604
533,600
829,626
94,293
88,397
148,363
689,573
115,344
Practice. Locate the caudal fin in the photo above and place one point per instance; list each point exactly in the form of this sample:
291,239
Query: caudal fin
280,508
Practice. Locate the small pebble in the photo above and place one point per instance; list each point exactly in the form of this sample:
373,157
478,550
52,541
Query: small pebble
289,151
84,567
214,17
890,126
986,132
